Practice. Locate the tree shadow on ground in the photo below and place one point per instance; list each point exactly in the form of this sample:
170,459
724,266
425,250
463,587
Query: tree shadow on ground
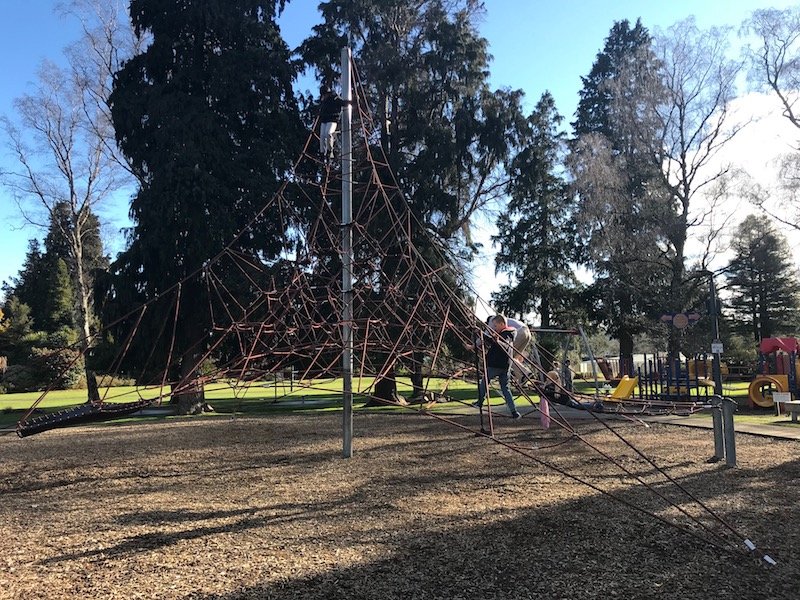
447,516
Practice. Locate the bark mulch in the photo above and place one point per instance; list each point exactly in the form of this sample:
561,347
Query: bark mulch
223,509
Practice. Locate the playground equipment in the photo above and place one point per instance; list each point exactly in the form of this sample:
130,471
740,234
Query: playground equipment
84,413
656,384
777,370
654,377
624,389
700,369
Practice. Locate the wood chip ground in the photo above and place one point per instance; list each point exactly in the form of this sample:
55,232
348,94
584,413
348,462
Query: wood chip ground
224,509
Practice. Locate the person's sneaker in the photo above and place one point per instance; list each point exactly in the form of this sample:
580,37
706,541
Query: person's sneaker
515,415
476,404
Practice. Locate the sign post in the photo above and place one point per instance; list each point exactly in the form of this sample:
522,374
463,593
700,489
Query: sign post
716,345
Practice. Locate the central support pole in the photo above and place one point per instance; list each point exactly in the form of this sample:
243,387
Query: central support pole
347,260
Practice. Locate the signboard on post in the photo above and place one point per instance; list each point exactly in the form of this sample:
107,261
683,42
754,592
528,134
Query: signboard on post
716,347
680,320
779,398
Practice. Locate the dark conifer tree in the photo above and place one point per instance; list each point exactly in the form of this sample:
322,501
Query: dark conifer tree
207,118
447,136
59,301
763,281
31,285
536,233
44,284
619,187
425,70
16,329
55,243
623,44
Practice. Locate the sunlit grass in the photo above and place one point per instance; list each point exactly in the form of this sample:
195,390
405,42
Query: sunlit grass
65,398
262,397
232,393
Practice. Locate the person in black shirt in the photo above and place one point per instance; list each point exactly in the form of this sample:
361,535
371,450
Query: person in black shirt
330,111
498,344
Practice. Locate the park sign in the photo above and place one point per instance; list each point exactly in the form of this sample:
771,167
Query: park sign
680,320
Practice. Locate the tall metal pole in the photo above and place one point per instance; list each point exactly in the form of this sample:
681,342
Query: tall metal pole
347,261
717,343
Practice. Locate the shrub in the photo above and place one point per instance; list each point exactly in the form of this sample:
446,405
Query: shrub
61,338
20,378
61,369
114,381
207,368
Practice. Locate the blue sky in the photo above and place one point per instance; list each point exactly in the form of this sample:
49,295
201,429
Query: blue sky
537,46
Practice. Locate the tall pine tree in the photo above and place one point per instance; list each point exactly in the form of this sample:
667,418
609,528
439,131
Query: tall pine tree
619,187
446,135
536,232
763,281
207,118
31,284
425,70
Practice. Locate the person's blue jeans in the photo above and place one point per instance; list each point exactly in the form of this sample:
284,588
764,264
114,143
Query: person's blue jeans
502,378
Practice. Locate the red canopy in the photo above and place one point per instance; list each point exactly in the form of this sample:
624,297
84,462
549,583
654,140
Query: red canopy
768,345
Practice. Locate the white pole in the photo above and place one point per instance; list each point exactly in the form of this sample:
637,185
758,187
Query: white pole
347,261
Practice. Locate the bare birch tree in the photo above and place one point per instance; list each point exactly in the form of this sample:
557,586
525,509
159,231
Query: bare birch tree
691,111
696,124
774,67
62,141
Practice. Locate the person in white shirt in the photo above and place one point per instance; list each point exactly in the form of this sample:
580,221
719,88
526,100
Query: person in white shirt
520,371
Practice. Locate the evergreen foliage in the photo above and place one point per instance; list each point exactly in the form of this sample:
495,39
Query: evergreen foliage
59,299
207,118
425,69
17,335
56,242
31,286
447,137
536,233
595,107
763,281
623,206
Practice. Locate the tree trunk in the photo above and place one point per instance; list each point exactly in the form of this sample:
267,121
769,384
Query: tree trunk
544,311
191,398
673,343
625,353
386,392
417,378
84,311
93,393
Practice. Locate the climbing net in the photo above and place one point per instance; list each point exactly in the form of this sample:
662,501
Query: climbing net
252,317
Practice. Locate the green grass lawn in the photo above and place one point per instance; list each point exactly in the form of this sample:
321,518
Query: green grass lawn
229,398
253,398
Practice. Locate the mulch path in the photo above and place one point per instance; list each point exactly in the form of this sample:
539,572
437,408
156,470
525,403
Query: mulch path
220,508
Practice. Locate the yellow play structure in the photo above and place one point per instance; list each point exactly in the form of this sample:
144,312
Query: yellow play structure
624,389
